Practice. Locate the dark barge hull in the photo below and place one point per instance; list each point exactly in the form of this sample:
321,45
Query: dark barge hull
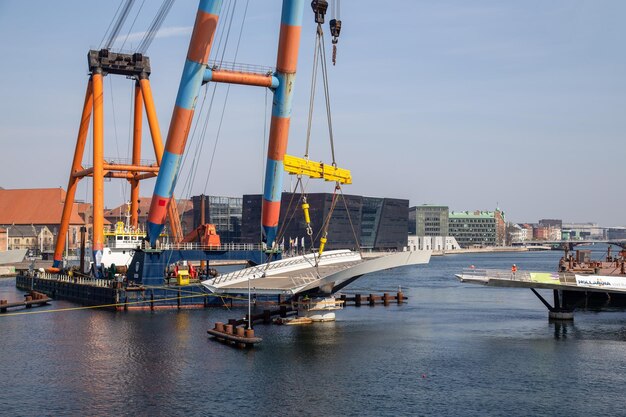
133,298
144,287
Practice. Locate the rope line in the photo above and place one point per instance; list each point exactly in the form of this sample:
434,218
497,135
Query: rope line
59,310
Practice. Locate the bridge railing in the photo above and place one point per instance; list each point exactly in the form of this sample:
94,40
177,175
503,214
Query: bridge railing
497,274
565,278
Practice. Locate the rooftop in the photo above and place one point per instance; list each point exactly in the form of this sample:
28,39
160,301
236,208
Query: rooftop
34,206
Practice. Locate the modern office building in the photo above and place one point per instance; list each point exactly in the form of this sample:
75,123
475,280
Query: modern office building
616,233
367,222
428,220
478,228
223,212
584,231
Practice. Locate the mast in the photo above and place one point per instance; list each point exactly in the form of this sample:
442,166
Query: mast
286,62
188,90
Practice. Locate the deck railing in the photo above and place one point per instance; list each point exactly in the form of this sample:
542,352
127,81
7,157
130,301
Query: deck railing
94,282
259,270
565,278
223,247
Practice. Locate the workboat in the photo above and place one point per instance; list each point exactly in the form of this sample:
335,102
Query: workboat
120,245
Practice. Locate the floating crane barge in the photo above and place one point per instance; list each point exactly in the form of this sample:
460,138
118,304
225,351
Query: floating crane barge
146,284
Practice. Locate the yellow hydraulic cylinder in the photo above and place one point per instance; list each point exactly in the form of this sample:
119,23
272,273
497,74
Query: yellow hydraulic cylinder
323,241
307,216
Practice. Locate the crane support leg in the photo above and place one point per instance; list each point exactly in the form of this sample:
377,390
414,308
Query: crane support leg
188,90
98,170
153,122
73,181
134,183
286,63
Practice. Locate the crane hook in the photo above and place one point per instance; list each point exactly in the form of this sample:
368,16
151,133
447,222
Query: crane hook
335,29
319,8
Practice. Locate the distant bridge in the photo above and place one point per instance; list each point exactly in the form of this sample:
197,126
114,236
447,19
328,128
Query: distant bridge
571,243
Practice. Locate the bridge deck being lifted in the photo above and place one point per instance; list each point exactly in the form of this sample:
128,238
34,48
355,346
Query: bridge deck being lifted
299,274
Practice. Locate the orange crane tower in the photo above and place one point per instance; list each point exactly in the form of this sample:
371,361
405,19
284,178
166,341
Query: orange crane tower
137,67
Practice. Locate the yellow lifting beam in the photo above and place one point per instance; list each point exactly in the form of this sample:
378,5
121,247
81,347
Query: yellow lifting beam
301,166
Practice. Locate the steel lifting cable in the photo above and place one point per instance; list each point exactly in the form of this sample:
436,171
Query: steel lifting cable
200,143
285,224
155,26
327,97
117,146
192,171
191,177
343,197
110,24
133,24
119,23
313,84
219,128
320,56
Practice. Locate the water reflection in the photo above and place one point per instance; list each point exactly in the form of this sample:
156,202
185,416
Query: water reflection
561,328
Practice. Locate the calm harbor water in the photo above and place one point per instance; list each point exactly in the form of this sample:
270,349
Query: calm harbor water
454,349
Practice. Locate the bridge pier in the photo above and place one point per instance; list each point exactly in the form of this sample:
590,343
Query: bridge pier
559,311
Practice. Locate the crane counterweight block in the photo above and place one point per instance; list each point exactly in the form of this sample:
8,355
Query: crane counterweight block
108,62
300,166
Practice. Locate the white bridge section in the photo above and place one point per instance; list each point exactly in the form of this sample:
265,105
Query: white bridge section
548,280
298,274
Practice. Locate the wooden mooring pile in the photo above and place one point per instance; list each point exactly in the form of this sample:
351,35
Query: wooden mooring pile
236,334
385,299
31,299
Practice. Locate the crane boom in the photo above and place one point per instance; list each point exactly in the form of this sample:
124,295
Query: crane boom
188,90
191,81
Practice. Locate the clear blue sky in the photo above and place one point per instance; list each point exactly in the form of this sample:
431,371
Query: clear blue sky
469,104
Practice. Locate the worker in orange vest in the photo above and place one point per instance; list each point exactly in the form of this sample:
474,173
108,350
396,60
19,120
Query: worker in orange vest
513,269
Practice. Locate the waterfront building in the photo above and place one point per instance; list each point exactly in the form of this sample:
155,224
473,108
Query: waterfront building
585,231
549,229
529,230
612,233
541,233
428,220
435,243
40,207
224,212
371,223
478,228
556,223
36,239
517,233
4,241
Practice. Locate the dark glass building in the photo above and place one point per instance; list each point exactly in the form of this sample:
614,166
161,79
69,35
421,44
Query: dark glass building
428,220
375,223
223,212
